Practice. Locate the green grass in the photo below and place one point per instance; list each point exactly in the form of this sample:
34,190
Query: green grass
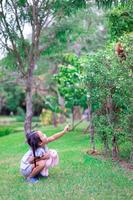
77,177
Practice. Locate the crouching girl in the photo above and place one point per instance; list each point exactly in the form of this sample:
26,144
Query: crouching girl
39,159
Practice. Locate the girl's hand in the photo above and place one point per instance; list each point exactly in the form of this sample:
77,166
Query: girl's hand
66,129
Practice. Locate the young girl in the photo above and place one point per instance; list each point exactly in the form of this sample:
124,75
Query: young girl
38,159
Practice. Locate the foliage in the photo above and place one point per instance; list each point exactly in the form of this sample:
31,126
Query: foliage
5,131
102,128
51,103
13,97
108,76
120,21
70,82
110,3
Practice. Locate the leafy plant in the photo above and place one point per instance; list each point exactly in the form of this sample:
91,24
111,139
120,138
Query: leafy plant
5,131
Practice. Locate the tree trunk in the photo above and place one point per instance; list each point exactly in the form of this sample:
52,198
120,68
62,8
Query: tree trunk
72,118
131,154
54,116
91,129
29,113
62,118
106,146
111,119
77,113
109,110
114,148
61,102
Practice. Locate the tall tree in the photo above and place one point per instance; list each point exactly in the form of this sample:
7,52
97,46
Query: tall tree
39,15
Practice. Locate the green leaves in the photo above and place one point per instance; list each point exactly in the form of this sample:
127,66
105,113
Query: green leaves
21,2
68,6
51,103
70,80
120,21
109,3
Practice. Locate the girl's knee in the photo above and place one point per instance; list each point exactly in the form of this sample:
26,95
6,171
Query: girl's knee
53,153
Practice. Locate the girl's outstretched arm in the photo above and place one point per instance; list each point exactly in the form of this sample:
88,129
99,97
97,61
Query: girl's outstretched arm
58,135
52,138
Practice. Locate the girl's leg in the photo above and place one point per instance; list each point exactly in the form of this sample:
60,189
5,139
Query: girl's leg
55,158
44,172
40,165
51,162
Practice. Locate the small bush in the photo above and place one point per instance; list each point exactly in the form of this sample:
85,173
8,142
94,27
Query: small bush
20,118
5,131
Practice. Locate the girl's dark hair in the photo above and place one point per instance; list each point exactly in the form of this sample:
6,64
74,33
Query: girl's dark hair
33,140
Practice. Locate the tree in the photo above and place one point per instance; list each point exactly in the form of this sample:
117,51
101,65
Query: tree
70,83
120,21
110,3
39,15
109,83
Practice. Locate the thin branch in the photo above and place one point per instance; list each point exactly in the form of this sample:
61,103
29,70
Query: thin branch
6,26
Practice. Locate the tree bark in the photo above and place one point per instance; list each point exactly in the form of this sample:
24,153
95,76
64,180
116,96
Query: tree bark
91,129
110,117
77,113
29,112
72,118
106,146
114,147
131,154
54,116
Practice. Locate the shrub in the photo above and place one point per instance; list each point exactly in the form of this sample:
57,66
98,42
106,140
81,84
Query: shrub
5,131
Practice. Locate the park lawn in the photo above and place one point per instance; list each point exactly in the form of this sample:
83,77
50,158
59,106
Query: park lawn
78,176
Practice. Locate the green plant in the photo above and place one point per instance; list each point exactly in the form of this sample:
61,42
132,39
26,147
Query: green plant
120,21
5,131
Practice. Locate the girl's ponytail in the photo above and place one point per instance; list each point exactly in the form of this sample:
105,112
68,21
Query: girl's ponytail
33,149
33,140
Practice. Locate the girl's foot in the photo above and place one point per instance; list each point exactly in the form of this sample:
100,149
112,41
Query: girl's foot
32,180
41,176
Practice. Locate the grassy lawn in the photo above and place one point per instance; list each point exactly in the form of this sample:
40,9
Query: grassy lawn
78,176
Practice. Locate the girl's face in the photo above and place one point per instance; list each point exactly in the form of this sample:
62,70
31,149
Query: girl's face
40,143
42,138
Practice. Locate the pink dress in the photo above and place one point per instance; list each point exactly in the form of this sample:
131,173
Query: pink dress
51,162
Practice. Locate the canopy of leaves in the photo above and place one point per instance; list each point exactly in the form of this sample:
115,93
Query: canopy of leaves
70,82
120,21
107,75
109,3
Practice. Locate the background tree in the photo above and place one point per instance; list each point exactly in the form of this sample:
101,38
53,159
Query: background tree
70,82
109,86
38,15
